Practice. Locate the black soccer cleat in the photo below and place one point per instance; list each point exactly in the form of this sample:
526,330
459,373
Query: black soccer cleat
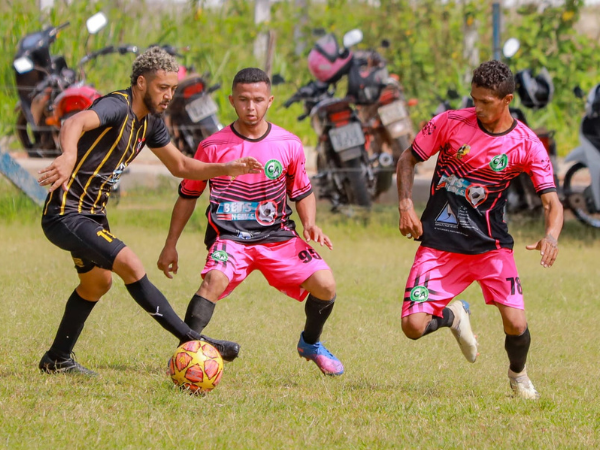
229,350
69,365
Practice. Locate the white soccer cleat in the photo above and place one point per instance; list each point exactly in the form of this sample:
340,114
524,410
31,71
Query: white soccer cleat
461,329
522,385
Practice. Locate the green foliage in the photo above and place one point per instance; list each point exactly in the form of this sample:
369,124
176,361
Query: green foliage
426,47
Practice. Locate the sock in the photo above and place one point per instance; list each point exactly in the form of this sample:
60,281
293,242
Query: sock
77,311
317,311
439,322
517,348
154,302
199,313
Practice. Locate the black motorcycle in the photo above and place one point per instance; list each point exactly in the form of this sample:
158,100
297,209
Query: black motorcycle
192,114
345,172
40,78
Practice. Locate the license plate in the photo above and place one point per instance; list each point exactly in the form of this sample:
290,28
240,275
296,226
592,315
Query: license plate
392,113
201,108
346,137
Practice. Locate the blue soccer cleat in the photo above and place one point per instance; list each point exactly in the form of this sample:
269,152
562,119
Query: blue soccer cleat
325,361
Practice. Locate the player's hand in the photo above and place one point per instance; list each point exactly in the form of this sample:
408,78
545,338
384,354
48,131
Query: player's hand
243,166
57,174
548,247
409,224
314,233
167,261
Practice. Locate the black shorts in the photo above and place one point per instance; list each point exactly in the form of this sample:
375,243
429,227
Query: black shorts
87,237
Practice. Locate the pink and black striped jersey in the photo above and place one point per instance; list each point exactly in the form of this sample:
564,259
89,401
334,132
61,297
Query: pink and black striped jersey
252,208
465,211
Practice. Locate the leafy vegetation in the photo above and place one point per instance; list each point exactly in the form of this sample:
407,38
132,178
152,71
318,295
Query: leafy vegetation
426,47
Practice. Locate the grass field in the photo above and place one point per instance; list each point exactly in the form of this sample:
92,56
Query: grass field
395,393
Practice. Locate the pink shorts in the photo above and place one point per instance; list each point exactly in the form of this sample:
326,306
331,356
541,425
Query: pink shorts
437,277
285,265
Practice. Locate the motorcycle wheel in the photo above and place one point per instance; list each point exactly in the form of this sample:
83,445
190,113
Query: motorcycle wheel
355,185
578,195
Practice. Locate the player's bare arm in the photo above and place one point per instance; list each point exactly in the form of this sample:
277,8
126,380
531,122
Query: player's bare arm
307,211
60,170
168,259
182,166
553,215
409,224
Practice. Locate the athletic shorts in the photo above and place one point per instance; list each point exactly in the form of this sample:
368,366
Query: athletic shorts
285,265
87,237
437,277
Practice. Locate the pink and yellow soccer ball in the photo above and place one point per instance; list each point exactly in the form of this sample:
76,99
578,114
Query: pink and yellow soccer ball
196,367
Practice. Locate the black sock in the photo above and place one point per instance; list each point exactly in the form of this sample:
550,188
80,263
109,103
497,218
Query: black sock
154,302
517,348
76,313
199,313
317,311
439,322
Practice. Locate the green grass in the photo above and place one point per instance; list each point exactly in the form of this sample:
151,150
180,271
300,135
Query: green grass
395,393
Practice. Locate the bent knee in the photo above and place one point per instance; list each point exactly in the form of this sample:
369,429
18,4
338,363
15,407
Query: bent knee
411,329
93,292
213,285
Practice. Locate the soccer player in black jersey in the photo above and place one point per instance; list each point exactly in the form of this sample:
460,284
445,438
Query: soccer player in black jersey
463,235
98,144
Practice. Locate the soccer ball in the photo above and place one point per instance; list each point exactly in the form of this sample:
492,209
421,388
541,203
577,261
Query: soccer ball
196,366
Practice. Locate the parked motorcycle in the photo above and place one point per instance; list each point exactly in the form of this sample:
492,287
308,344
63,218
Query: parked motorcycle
40,78
192,114
345,173
581,188
378,96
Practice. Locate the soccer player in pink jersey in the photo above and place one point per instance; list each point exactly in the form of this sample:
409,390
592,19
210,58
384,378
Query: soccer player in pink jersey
463,235
249,220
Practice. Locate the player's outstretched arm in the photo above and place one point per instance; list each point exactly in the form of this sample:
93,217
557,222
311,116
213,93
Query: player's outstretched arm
553,214
409,224
168,259
307,211
58,173
184,167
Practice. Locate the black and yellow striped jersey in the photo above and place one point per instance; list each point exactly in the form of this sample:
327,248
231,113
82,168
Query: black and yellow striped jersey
104,153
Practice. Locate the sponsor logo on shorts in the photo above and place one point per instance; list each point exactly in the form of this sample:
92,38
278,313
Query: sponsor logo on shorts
419,294
474,193
219,256
273,169
464,150
499,162
78,262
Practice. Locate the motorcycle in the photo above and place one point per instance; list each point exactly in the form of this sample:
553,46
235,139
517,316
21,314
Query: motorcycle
581,188
40,78
192,114
379,98
345,174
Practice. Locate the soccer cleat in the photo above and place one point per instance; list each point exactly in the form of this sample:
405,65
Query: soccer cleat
461,329
229,350
69,365
522,385
325,361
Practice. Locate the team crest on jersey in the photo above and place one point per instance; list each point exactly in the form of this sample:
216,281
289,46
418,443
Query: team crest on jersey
499,162
273,169
419,294
140,144
219,256
464,150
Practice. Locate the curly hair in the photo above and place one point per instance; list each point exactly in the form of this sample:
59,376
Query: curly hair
251,75
495,76
151,61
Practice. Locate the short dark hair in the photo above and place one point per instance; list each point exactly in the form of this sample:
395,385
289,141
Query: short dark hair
251,75
495,76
